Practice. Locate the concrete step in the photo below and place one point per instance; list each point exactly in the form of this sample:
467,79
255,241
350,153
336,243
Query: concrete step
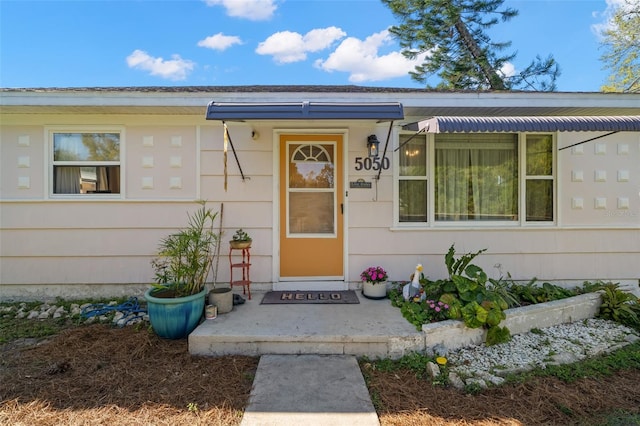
370,328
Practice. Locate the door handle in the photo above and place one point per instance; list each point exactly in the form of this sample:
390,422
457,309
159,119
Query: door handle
341,208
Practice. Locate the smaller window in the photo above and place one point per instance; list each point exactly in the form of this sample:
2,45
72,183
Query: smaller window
86,163
412,182
539,178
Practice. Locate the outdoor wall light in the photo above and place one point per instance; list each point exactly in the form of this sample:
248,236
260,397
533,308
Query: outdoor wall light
372,145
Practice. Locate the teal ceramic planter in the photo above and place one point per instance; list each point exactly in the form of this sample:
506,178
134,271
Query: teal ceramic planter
175,317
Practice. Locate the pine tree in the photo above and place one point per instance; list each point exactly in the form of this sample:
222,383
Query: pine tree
459,51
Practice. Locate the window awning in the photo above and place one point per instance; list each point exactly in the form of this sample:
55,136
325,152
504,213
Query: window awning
629,123
240,111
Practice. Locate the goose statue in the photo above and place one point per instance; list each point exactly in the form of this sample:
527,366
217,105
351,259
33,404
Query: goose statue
413,288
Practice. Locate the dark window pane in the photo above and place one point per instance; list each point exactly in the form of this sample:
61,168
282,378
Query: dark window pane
86,180
413,200
413,156
539,155
539,200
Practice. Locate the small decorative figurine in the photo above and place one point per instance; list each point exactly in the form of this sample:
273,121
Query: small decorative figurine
412,289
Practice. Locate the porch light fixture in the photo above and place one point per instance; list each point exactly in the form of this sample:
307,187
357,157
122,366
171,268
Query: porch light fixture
372,145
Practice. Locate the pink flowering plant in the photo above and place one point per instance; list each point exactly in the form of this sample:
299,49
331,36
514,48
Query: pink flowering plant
436,311
374,275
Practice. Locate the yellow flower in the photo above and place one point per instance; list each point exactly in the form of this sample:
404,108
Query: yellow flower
441,360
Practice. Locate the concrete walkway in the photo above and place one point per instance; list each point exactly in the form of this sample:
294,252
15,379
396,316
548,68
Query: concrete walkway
310,390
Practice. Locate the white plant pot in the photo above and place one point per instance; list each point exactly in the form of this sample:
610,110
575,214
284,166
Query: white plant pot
374,291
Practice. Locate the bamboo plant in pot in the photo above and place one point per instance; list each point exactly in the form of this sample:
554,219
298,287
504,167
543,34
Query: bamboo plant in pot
175,301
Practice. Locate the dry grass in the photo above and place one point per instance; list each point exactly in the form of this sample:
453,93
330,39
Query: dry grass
100,375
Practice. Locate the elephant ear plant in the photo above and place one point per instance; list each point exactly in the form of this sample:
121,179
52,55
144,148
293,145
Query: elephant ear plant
185,257
468,294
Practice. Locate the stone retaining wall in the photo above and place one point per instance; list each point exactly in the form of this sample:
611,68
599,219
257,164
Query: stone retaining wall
453,334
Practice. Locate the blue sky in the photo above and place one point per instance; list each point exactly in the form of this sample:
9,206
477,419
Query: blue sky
92,43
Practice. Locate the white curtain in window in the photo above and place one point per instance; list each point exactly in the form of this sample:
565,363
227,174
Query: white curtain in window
476,181
102,182
67,180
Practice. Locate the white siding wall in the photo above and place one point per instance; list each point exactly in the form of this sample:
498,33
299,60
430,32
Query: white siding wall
247,205
599,180
600,240
51,247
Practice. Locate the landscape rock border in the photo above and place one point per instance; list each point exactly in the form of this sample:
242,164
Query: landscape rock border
120,315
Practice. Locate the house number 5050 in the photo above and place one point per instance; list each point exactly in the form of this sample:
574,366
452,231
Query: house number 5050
368,163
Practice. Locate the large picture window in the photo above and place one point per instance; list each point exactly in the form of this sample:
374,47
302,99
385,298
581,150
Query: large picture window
86,163
475,177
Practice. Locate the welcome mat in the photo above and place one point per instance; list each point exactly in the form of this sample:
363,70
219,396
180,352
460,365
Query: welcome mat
310,297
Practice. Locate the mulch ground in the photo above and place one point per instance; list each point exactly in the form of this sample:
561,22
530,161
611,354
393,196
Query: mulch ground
407,401
103,375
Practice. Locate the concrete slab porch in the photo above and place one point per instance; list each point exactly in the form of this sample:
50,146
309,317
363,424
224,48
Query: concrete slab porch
371,328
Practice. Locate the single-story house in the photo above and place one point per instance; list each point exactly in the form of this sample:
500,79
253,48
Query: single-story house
328,180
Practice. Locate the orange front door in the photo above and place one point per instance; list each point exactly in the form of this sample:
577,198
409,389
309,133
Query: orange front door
311,203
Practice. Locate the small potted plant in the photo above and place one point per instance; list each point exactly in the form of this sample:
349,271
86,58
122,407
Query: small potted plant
240,240
175,301
374,282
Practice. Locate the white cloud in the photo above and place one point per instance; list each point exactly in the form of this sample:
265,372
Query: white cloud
607,15
175,68
508,69
219,42
321,38
287,46
254,10
362,61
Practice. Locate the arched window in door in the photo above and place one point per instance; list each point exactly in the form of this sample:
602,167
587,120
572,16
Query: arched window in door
311,189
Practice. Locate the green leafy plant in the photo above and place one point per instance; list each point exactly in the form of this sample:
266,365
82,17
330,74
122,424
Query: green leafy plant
497,335
472,297
532,293
478,300
502,288
414,313
185,257
619,306
241,235
468,294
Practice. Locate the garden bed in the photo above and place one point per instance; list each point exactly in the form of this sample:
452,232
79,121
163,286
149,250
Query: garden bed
453,334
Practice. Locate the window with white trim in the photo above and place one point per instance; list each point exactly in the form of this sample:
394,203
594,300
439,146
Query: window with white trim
463,178
85,163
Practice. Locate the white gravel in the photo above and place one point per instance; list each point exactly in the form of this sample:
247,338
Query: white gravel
560,344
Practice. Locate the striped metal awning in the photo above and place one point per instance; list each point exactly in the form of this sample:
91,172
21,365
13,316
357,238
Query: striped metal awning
629,123
241,111
306,110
